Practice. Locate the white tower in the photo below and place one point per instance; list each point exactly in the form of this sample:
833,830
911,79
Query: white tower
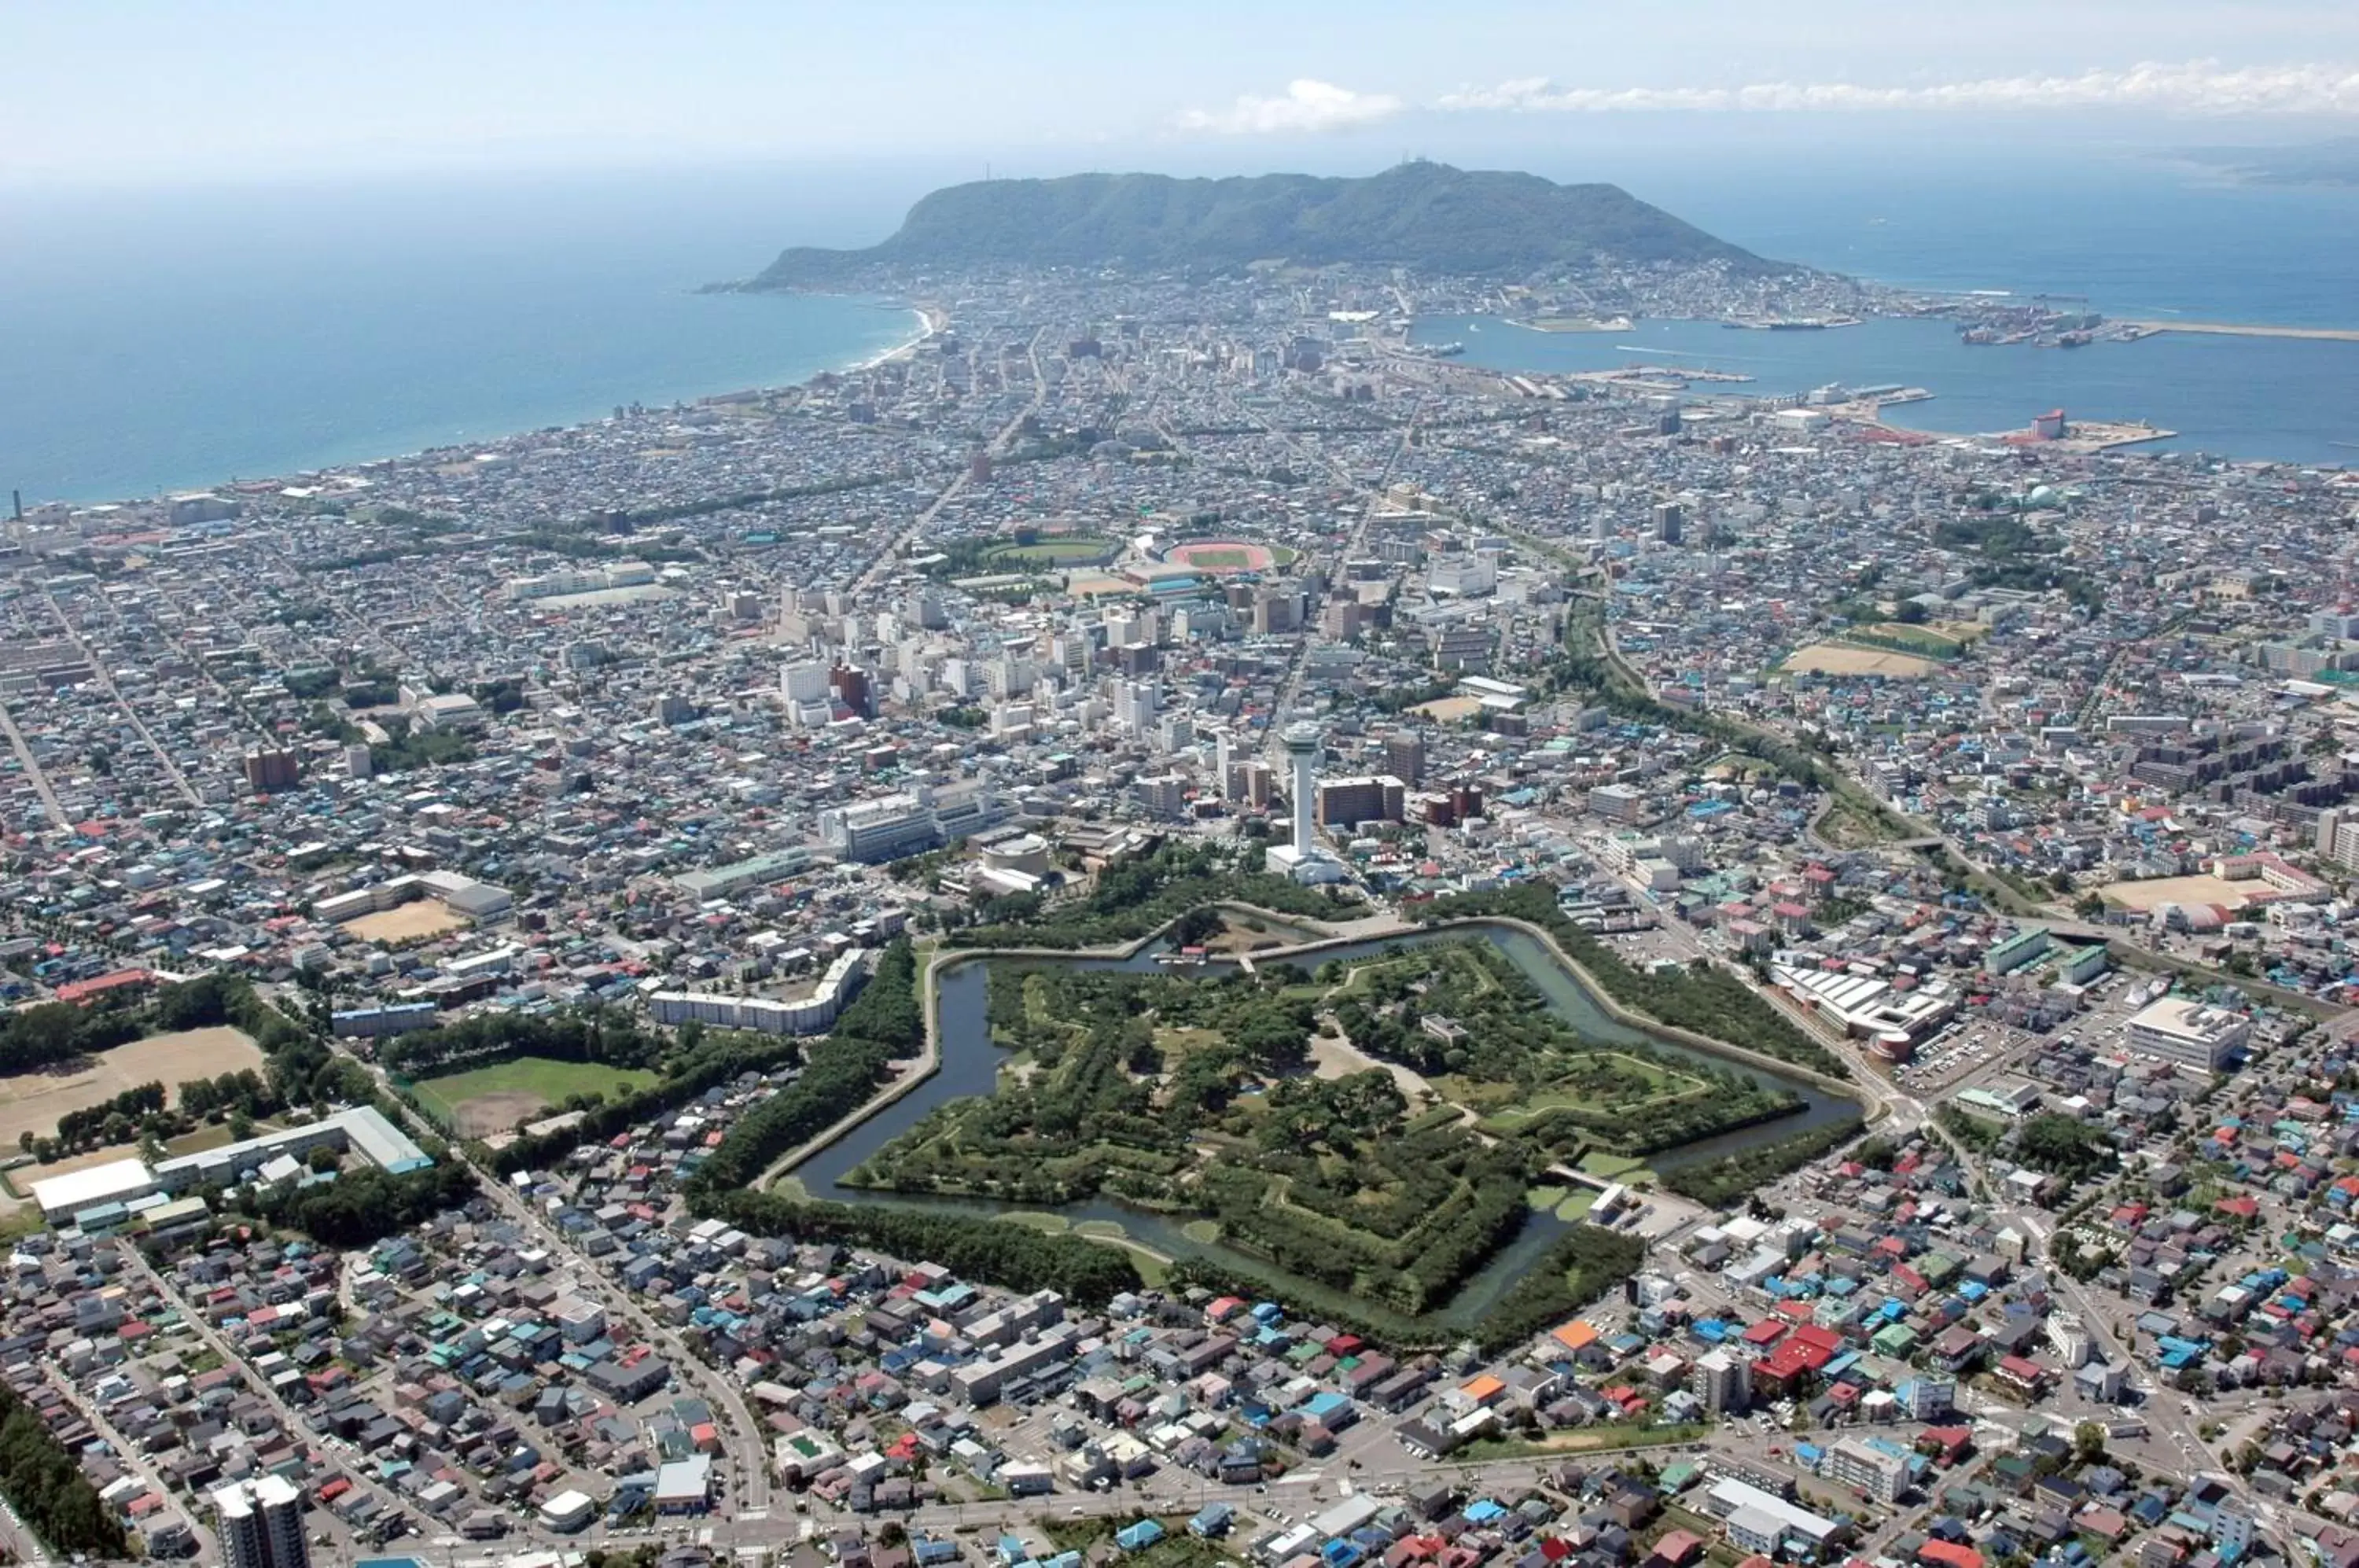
1302,754
1303,860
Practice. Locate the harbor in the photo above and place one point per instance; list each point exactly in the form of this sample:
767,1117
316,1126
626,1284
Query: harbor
2282,394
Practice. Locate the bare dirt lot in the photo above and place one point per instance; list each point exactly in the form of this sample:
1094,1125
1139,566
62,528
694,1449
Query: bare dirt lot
495,1112
2206,888
1835,658
36,1100
404,923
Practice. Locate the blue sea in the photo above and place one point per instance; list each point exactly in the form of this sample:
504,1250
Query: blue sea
2135,236
151,341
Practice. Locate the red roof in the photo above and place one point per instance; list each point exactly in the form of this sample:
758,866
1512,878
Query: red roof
78,990
1949,1553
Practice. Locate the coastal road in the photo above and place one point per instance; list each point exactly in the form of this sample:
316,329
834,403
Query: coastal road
894,553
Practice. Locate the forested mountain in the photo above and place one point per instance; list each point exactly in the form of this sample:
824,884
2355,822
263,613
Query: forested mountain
1427,217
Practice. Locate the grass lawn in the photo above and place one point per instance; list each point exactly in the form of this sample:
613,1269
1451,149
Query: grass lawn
1038,1219
1612,1167
1592,1090
1052,553
210,1136
513,1086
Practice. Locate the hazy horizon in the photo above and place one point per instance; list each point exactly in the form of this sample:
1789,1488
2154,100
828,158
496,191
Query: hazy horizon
149,95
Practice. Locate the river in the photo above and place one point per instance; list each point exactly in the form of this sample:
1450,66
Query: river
970,1062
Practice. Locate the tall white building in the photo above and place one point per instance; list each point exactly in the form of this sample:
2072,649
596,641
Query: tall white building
1135,705
810,702
1304,860
262,1524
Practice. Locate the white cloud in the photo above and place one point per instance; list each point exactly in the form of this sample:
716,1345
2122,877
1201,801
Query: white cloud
2198,87
1308,105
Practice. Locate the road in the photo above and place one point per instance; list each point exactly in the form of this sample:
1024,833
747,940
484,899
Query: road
33,771
748,1455
895,551
208,1548
1297,666
291,1424
745,1449
131,714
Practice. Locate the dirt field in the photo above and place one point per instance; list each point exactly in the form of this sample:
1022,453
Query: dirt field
2206,888
36,1100
403,922
1450,710
488,1114
1834,658
1334,1058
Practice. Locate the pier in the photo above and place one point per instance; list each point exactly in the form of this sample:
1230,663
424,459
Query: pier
2230,329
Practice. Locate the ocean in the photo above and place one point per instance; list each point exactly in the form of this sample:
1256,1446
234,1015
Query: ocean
156,341
151,341
2135,236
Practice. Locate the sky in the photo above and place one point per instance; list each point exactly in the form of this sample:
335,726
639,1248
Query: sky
166,93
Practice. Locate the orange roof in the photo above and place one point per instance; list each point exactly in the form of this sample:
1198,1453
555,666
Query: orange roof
1574,1335
1484,1387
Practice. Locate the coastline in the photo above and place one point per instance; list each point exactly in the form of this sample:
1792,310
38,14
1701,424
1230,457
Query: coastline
930,322
2254,392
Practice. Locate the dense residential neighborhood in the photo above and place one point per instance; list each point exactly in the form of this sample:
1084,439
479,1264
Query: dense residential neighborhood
1170,926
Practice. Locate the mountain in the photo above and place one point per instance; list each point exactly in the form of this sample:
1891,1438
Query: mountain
1427,217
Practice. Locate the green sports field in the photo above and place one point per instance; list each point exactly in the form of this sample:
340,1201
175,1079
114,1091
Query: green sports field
492,1099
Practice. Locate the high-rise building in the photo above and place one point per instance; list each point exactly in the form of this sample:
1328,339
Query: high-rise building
1404,758
262,1524
923,610
1723,1383
1670,519
1134,702
267,767
1375,798
1165,794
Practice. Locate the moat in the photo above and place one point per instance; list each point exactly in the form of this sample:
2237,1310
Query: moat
972,1063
